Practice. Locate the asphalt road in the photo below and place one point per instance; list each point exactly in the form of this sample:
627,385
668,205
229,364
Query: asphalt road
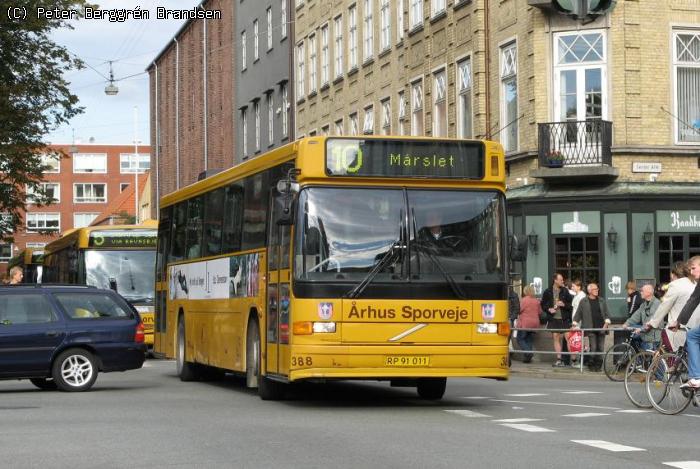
148,418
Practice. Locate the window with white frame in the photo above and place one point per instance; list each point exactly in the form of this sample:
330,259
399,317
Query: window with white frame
123,186
402,113
354,124
256,111
338,24
244,59
312,133
339,128
417,128
325,130
352,28
5,252
386,117
368,125
399,20
579,84
51,190
6,222
132,163
301,71
686,73
325,65
283,18
369,30
509,97
440,104
312,64
269,28
438,6
415,14
285,110
89,162
385,18
81,220
93,193
43,221
256,52
51,162
244,124
464,99
270,119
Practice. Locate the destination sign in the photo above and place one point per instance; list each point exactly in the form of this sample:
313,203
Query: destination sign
404,158
123,239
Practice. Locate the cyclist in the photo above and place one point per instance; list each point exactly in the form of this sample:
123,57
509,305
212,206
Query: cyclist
679,290
691,320
650,339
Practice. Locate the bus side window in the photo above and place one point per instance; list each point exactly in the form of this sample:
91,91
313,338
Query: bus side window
213,216
195,209
177,246
233,218
163,242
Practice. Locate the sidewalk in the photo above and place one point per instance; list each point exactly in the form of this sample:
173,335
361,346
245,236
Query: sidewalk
545,370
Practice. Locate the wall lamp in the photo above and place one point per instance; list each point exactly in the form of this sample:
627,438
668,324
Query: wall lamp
646,238
532,240
612,238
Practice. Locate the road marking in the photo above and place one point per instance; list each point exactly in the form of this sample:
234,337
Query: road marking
533,394
582,392
468,413
557,404
527,428
516,420
633,411
606,445
586,414
476,397
683,464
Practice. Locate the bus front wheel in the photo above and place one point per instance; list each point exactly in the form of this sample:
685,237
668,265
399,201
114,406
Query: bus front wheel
185,370
431,388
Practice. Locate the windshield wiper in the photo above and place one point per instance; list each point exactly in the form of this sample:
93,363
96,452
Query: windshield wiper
385,261
425,249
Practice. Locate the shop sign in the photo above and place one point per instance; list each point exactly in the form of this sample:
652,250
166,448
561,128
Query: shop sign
646,167
681,221
575,222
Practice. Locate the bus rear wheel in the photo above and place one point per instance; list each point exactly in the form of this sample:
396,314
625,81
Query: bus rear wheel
185,370
431,388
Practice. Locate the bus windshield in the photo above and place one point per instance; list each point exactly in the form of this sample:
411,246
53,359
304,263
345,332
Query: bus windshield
433,235
131,270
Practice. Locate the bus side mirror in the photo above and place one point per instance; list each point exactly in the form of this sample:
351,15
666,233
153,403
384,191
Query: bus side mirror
286,218
517,248
288,188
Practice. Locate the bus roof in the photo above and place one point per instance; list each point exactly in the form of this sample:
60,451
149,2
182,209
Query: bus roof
82,235
314,168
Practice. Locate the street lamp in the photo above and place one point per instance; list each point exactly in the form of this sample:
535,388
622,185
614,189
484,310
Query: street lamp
612,238
532,240
111,89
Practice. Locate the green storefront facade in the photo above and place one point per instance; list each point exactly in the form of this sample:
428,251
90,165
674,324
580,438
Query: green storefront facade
607,234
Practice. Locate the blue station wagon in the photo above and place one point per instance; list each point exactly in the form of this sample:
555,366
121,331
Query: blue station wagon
63,336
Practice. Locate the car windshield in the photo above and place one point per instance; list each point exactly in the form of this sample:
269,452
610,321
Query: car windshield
133,272
434,235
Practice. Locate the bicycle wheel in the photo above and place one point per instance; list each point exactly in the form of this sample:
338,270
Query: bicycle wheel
663,384
635,378
616,360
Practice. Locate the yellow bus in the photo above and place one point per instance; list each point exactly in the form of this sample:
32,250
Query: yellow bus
31,260
376,258
120,257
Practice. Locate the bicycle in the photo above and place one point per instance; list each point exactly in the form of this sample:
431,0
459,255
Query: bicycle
667,373
636,374
618,357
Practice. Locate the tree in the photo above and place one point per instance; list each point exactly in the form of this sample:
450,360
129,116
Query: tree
34,100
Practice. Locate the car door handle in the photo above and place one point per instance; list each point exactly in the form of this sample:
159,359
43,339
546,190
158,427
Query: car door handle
52,333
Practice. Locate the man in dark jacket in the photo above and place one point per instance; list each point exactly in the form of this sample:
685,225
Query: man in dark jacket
556,302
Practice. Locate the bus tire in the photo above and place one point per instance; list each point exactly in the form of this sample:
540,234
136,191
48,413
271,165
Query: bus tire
270,390
252,354
185,370
431,388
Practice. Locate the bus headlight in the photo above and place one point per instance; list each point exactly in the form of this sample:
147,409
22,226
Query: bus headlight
327,327
487,328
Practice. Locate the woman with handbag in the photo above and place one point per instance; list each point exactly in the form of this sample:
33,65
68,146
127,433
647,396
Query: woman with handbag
528,318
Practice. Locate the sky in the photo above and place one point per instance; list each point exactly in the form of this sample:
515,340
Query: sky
132,46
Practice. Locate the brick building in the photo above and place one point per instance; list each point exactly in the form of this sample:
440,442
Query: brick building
599,116
192,99
83,183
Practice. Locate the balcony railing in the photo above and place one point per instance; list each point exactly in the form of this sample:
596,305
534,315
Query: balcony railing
575,143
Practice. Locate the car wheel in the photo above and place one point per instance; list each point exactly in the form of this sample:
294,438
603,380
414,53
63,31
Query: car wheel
74,370
185,370
46,384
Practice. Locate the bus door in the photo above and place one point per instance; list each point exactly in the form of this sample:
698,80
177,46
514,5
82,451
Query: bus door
278,276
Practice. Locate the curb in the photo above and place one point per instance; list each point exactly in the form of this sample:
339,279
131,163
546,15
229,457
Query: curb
570,374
